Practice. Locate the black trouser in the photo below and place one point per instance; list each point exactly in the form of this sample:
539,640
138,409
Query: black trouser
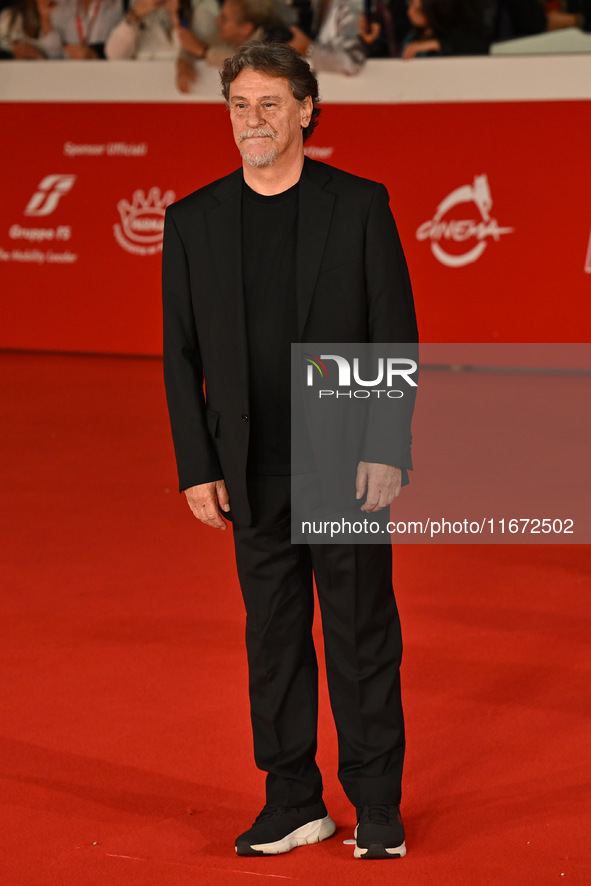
363,647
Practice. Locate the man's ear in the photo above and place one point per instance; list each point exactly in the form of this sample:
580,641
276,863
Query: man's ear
307,106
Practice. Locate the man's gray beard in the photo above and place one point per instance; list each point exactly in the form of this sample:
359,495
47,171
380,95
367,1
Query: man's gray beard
261,160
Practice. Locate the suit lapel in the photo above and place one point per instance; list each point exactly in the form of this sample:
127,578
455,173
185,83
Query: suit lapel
314,215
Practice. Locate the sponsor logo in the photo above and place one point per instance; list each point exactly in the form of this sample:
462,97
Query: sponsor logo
443,229
142,221
49,192
38,257
38,235
387,372
111,149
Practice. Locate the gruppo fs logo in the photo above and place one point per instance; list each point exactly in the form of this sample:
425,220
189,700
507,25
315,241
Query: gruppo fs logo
388,370
49,192
475,232
142,221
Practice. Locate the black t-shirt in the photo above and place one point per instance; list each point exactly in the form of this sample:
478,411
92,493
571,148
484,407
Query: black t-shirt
269,237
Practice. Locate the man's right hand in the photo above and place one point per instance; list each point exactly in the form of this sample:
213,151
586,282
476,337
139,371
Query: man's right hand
205,501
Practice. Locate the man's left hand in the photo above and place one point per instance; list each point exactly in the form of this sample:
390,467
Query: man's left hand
381,482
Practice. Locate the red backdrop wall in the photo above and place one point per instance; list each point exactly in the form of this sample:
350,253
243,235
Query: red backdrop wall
503,259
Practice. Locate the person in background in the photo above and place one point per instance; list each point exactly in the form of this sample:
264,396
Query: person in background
150,28
508,19
23,29
78,29
238,22
568,14
334,43
446,27
385,31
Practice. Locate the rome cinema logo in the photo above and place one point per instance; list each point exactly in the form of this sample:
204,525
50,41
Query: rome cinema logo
446,228
142,221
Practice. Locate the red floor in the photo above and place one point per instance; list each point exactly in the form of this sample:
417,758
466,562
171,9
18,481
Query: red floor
125,751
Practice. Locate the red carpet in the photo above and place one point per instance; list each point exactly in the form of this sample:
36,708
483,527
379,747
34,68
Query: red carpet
125,751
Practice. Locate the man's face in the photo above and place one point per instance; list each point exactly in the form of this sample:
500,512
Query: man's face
231,26
266,119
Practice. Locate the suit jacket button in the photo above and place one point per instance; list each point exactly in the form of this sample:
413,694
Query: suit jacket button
244,417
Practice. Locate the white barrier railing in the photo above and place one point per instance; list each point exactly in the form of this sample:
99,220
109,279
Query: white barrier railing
483,79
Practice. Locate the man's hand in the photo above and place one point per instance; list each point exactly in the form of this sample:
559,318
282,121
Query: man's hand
413,49
74,50
190,43
382,482
368,31
26,50
185,75
556,20
204,501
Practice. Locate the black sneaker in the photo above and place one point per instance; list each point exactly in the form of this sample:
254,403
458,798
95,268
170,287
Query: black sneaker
282,828
379,833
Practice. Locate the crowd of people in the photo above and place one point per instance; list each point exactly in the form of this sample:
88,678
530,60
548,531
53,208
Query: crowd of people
334,35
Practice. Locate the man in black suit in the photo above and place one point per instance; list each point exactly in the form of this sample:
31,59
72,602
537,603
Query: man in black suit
285,250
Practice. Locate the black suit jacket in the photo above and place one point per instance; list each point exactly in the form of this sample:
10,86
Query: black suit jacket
352,286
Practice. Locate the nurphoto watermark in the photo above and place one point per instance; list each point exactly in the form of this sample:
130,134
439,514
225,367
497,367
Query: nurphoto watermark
446,444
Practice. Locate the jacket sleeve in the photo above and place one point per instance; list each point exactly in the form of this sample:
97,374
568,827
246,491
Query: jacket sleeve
391,320
390,302
196,457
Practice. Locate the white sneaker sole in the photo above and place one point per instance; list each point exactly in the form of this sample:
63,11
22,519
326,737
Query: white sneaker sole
312,832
